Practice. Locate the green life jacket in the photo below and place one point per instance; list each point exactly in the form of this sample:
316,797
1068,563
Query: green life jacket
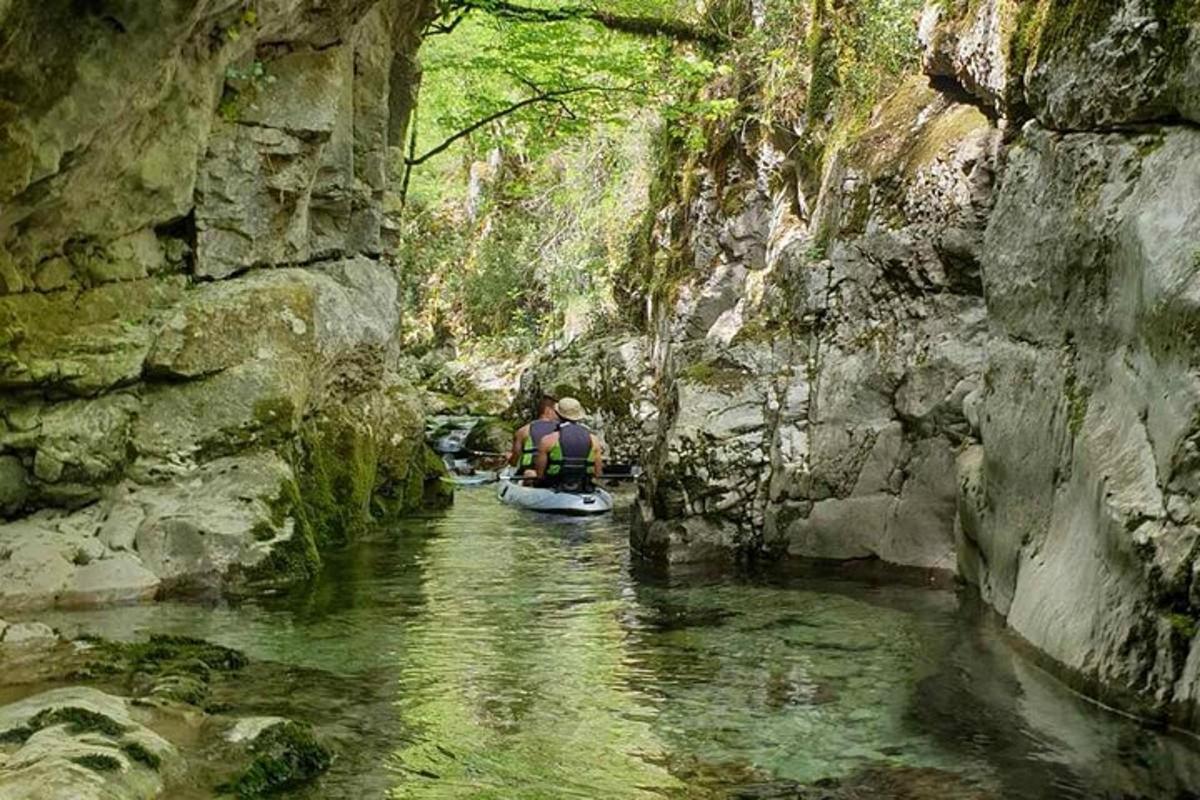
538,430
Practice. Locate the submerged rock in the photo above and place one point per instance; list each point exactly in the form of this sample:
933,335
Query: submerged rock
153,722
284,754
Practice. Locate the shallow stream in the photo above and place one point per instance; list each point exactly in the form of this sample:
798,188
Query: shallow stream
487,653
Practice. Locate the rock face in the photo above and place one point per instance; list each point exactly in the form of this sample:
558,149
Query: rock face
966,341
192,292
812,371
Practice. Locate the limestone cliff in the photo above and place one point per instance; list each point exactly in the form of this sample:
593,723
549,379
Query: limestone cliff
200,358
963,337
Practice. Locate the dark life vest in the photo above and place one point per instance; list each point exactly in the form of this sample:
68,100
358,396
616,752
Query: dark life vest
538,429
570,463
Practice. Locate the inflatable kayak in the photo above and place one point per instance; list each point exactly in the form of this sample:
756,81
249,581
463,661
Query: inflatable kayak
551,501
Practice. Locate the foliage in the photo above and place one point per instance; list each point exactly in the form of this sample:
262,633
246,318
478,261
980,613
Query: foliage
536,251
528,225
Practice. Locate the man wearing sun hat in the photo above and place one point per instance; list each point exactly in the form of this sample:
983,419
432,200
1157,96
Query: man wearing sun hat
570,457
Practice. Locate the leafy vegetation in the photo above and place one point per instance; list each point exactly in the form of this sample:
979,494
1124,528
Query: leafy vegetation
530,157
532,204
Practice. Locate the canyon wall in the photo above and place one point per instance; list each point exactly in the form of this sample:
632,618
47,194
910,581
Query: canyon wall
200,370
961,338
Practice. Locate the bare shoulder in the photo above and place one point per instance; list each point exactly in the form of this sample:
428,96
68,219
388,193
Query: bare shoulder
548,441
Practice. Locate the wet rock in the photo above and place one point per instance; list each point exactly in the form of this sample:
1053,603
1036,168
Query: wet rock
892,782
79,743
284,755
27,632
163,669
118,578
490,436
247,729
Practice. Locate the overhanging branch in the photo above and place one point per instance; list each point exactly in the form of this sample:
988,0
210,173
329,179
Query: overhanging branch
549,96
625,23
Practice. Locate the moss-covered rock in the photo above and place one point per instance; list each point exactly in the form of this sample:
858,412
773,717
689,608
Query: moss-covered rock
285,755
171,668
361,462
81,341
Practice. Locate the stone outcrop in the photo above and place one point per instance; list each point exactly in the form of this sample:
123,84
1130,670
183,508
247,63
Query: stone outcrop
966,341
815,360
195,313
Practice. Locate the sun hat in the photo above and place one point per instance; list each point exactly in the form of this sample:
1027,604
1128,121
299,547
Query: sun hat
570,409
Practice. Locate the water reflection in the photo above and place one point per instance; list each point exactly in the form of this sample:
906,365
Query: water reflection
486,653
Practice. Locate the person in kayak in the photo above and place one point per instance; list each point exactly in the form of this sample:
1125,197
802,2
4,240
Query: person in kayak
572,456
527,437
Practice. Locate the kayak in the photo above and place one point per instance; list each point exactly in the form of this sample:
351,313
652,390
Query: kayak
552,501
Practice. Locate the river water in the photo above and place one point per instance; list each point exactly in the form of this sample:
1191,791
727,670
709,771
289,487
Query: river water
487,653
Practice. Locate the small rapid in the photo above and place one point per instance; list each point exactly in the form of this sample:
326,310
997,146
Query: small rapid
484,652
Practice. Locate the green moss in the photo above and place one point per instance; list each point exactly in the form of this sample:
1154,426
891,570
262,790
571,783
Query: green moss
337,479
296,559
77,720
823,63
141,755
286,755
17,735
717,375
1182,623
1077,399
275,416
98,762
173,667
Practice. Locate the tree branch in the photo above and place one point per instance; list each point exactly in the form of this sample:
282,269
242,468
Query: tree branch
438,28
550,96
632,24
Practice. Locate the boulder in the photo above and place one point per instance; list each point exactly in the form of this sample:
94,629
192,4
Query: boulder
283,755
490,436
225,518
27,632
80,744
118,578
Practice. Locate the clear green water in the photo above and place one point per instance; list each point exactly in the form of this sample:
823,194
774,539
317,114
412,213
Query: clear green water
487,653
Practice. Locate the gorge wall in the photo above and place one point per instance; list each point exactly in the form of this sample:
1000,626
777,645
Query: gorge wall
961,336
200,364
